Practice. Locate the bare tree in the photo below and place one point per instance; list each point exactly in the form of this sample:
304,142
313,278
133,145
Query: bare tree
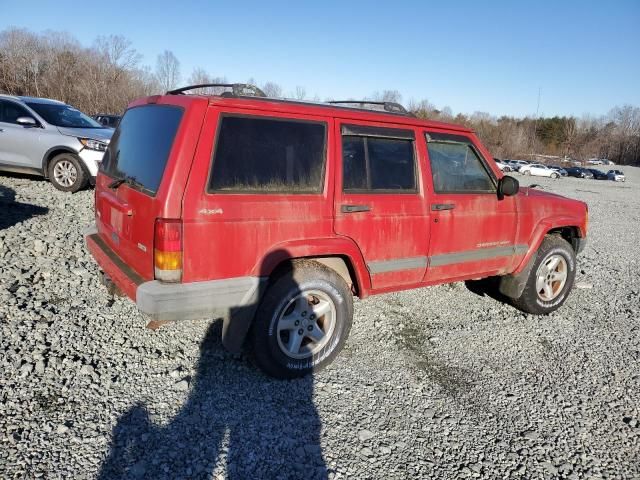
167,71
272,89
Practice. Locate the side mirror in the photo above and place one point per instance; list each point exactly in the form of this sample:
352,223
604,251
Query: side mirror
507,187
26,121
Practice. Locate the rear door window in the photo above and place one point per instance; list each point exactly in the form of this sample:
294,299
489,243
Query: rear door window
267,155
378,160
141,145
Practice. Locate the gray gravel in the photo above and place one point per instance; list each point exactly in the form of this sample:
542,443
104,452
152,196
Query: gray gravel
433,383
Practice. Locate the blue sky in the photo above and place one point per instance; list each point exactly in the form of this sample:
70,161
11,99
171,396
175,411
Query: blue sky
471,56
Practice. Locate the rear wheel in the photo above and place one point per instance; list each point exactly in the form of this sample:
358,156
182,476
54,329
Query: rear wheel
303,321
551,277
66,173
554,175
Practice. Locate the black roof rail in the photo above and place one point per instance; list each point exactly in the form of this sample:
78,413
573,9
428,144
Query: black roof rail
391,107
237,89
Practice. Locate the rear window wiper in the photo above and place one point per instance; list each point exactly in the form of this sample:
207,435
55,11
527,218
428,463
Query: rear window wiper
128,180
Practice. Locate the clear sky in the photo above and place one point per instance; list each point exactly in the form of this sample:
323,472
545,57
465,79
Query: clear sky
471,56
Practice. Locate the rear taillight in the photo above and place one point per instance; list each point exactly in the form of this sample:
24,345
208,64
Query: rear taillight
167,250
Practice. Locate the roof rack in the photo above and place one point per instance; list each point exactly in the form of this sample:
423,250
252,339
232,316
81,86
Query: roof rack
391,107
237,89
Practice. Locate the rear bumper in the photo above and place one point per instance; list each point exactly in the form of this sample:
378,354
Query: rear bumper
231,297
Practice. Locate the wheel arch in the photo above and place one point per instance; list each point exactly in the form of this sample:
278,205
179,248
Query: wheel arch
338,254
52,153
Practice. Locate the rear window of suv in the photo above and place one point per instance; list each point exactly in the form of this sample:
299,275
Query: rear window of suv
267,155
141,145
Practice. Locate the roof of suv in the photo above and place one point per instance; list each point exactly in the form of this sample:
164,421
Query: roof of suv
309,108
19,98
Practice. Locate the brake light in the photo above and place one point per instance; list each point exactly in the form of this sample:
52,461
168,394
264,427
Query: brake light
167,250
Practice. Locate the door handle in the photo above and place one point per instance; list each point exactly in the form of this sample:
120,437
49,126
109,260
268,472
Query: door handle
354,208
442,206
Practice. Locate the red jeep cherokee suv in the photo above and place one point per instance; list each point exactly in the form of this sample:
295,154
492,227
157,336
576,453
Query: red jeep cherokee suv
272,214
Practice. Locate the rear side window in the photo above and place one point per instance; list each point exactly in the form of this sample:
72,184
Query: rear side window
373,162
456,168
263,155
141,145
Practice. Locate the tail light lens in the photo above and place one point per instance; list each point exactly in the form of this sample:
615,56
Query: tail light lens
167,250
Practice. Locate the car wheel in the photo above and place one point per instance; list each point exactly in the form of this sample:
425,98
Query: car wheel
551,277
527,172
302,322
66,173
554,175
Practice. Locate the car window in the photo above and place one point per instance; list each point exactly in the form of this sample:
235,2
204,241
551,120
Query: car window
62,115
456,168
378,164
140,146
11,111
266,155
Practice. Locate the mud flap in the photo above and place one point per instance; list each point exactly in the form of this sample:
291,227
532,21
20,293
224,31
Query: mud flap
512,286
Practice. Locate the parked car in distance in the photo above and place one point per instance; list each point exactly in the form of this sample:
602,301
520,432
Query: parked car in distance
579,172
110,121
539,170
272,214
616,175
505,167
598,174
595,161
52,139
560,170
518,164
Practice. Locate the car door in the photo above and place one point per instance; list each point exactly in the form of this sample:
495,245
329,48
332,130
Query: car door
472,230
19,144
380,202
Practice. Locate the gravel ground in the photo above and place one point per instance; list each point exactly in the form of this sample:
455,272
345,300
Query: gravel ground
433,383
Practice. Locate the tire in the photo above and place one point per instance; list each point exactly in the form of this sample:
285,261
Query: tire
554,175
67,173
527,172
289,299
541,301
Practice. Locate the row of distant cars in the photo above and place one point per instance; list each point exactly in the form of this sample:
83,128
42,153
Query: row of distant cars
554,171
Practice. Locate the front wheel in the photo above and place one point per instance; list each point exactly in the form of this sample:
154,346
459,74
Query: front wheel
527,172
66,173
303,321
551,277
554,175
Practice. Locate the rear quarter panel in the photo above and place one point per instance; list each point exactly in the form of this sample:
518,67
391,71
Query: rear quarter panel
238,234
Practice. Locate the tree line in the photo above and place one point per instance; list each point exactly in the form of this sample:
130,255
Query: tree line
105,76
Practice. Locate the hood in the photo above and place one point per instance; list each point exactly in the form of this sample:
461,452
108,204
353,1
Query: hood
534,192
102,134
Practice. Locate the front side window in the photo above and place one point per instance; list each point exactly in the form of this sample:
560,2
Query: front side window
263,155
377,163
456,168
10,112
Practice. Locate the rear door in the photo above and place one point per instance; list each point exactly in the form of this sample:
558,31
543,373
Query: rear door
151,151
379,200
473,230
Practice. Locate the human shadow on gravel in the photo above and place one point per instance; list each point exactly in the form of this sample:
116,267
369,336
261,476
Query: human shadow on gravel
235,416
12,212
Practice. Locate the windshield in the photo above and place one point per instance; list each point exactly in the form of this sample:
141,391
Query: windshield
63,115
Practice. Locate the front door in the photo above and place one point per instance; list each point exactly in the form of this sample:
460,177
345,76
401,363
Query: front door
379,201
20,145
473,231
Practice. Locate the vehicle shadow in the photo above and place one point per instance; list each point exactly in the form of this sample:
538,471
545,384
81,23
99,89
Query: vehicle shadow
236,421
489,287
12,212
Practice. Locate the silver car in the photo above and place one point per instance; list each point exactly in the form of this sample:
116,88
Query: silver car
52,139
